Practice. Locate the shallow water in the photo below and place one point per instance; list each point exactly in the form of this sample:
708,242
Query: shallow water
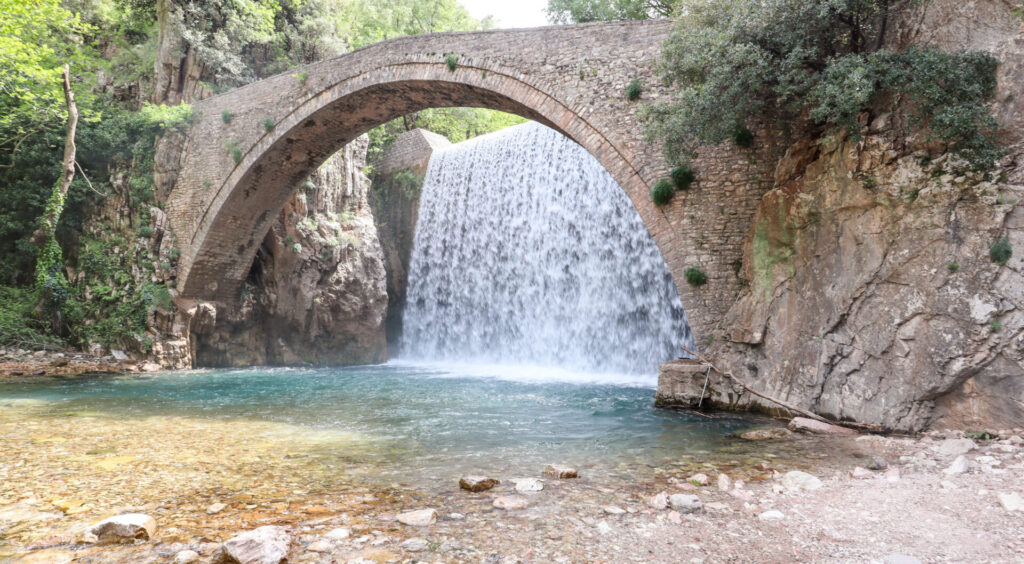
411,423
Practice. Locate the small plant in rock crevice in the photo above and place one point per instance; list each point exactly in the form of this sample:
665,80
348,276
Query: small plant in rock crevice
682,176
953,267
1000,251
996,326
743,137
226,116
662,192
634,89
301,77
268,125
695,276
451,60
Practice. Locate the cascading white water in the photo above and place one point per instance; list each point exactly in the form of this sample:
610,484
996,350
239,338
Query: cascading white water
528,252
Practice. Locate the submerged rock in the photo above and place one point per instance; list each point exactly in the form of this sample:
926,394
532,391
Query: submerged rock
772,434
528,485
419,518
124,528
561,472
265,545
477,483
510,502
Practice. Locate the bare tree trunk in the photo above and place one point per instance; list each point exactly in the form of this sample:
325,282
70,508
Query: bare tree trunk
48,224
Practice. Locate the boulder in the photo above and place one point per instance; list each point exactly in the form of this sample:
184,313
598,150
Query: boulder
561,472
658,501
805,425
798,481
419,518
685,503
477,483
265,545
127,527
878,463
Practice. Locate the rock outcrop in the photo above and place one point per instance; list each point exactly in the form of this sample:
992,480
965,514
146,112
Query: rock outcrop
316,293
870,291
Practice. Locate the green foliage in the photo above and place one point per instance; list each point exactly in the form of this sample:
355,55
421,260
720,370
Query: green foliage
1000,251
734,63
364,22
451,60
236,154
743,137
662,192
225,115
19,326
457,124
633,90
682,176
953,267
146,231
268,125
301,77
870,182
695,276
995,325
582,11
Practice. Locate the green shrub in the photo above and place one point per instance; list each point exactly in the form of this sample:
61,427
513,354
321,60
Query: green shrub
174,254
743,137
18,325
268,125
953,266
301,77
1000,251
870,183
695,276
309,185
662,192
996,326
225,115
683,176
145,231
451,61
633,90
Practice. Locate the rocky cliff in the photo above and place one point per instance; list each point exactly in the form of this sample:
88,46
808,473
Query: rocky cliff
316,292
873,292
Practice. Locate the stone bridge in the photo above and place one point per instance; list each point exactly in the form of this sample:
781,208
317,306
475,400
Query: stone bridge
250,149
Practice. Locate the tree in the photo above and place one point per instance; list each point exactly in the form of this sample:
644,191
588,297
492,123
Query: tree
813,63
583,11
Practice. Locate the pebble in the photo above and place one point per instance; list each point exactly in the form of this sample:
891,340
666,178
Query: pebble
658,501
264,545
685,503
124,528
796,480
724,483
878,463
771,515
418,518
956,447
416,544
613,510
477,483
216,508
510,502
959,466
528,485
561,472
699,479
186,557
339,534
319,546
1012,502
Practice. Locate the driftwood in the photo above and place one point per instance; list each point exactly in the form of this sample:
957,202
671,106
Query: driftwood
788,406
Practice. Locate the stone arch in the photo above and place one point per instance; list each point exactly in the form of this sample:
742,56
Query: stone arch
246,203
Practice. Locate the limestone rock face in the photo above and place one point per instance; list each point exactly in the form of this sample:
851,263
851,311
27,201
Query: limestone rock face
316,293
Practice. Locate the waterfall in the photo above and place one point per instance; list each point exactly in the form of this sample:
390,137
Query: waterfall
528,252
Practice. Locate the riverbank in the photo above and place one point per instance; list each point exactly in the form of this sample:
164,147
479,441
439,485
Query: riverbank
204,481
20,363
